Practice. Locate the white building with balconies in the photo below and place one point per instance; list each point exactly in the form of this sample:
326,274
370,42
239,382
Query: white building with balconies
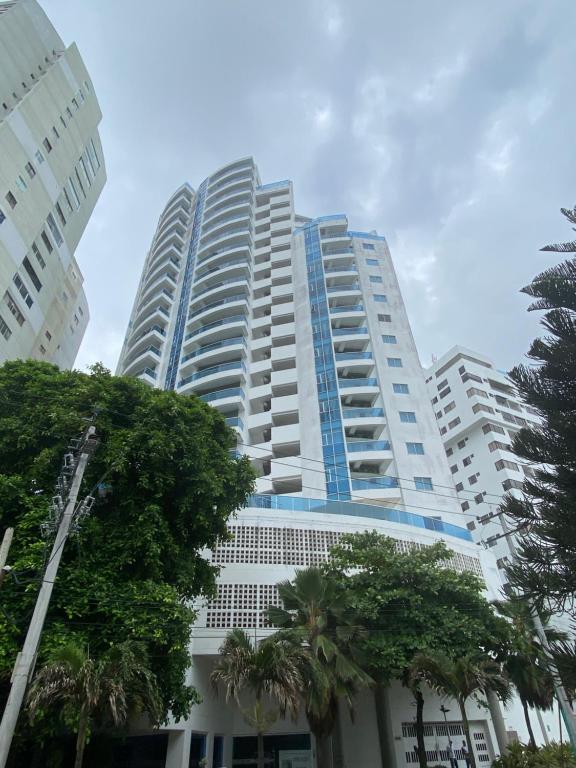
51,175
296,331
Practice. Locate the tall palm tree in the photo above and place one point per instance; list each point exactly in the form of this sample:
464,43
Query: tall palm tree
316,617
460,680
272,668
526,663
107,689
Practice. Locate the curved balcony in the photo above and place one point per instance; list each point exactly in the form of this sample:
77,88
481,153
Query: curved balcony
343,288
228,394
235,421
158,313
243,183
230,370
219,329
148,357
147,375
168,261
174,235
163,298
341,271
165,284
232,345
227,202
223,287
225,253
154,333
244,166
236,237
211,230
240,266
227,306
177,216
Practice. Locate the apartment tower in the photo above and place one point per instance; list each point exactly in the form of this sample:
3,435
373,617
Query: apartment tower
51,175
295,330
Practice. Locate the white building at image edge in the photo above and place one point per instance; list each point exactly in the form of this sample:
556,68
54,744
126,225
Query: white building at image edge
51,175
296,331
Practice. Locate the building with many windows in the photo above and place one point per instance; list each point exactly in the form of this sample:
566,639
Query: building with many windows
296,331
478,413
51,175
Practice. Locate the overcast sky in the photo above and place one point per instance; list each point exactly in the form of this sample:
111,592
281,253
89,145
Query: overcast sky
447,126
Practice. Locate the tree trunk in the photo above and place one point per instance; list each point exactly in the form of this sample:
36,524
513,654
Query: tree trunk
81,737
260,738
385,739
420,728
497,720
542,726
323,752
528,725
466,726
337,746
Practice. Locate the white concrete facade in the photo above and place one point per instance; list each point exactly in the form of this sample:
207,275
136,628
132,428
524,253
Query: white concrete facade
51,175
296,331
478,412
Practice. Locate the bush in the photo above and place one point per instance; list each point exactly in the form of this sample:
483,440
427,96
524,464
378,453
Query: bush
520,756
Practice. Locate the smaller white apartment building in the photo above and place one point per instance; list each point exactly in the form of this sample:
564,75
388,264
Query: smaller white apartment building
478,413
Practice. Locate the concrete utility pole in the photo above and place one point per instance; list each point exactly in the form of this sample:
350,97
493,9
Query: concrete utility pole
4,549
559,690
26,659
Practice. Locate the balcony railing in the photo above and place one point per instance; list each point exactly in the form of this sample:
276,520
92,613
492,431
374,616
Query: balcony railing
217,268
227,300
354,509
372,483
234,421
357,382
147,372
362,413
218,285
346,331
216,324
349,308
367,445
222,393
236,365
336,288
215,345
340,269
229,233
353,356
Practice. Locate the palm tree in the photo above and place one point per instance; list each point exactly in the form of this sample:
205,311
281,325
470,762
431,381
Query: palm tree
316,617
272,668
460,680
108,689
526,662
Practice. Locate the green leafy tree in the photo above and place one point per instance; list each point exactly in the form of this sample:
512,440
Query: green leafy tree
553,756
461,679
272,669
82,689
525,661
411,602
546,568
316,617
165,485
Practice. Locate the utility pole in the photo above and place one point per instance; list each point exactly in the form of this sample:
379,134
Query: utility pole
4,549
63,516
563,700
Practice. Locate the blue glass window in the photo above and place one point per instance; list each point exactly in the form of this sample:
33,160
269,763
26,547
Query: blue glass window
401,389
368,246
423,483
380,297
394,362
408,417
389,339
415,449
372,262
375,279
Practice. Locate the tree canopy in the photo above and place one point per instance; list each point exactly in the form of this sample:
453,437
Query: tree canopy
413,601
544,517
165,484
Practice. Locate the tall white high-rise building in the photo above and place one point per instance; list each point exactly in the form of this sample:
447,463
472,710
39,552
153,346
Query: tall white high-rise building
296,331
479,412
51,175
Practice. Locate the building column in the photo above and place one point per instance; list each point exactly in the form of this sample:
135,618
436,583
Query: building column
178,753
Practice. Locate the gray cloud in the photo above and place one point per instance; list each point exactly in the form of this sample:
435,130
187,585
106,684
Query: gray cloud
447,127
